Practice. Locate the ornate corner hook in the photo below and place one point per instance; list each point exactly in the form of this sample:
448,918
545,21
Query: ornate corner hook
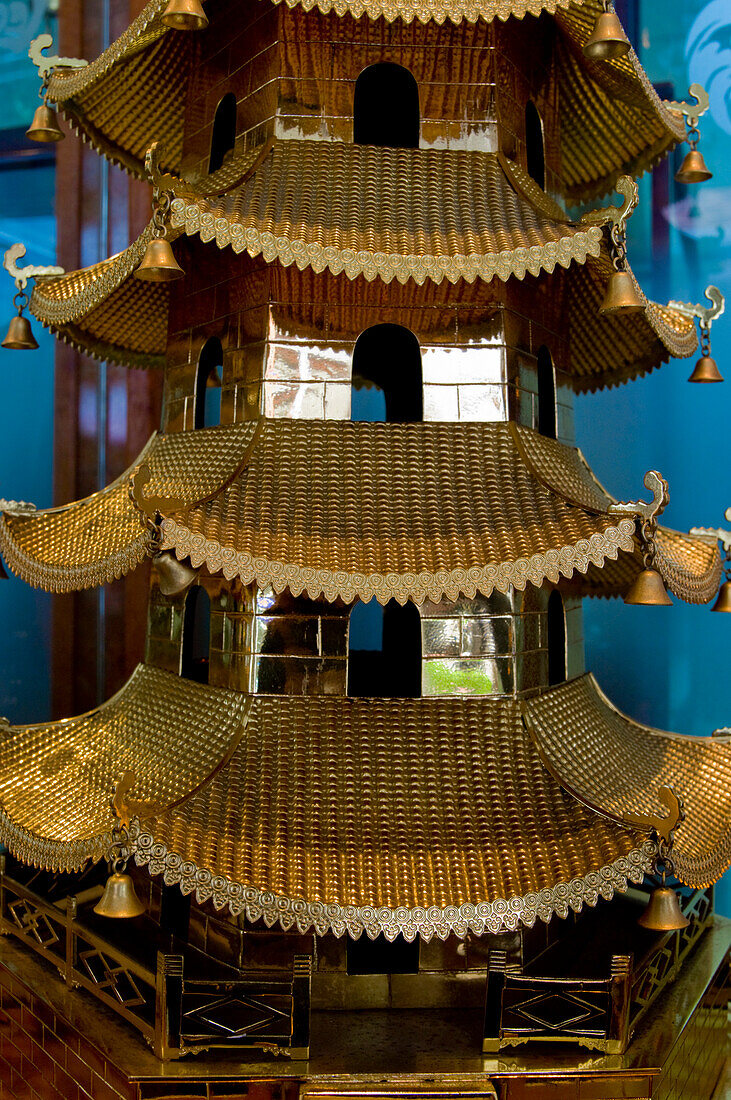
705,314
663,827
616,215
45,63
692,112
126,808
658,486
165,182
150,506
21,275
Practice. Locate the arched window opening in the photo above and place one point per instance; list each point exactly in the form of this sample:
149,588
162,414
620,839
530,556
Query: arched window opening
223,137
534,146
365,956
384,651
546,394
386,107
196,635
386,379
556,640
207,409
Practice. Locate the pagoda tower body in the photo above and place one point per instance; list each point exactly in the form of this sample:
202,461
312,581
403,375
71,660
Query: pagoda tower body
380,818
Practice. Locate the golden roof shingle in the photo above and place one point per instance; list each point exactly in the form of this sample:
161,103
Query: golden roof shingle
57,778
413,816
617,766
370,213
611,118
346,510
100,538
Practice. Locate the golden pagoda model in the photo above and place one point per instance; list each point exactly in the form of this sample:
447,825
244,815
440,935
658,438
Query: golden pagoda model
362,804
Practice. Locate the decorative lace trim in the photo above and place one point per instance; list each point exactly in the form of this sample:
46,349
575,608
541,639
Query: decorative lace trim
551,566
51,855
70,578
516,262
691,587
485,917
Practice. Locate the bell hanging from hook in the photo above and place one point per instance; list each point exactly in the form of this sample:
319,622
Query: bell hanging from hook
608,40
174,576
185,15
663,912
621,294
119,899
706,369
723,600
694,168
20,335
44,126
648,590
158,265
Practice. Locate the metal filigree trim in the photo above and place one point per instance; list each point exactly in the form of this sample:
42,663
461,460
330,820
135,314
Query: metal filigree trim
550,566
479,918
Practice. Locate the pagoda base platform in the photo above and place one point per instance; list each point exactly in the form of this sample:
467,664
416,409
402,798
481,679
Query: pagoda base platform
60,1044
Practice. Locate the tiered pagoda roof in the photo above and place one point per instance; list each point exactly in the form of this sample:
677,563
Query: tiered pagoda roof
382,214
612,121
418,511
414,816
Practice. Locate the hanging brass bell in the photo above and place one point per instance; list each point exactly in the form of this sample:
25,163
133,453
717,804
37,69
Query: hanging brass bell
693,169
20,335
621,294
44,126
174,576
706,370
663,912
158,265
648,590
607,40
185,15
723,601
119,899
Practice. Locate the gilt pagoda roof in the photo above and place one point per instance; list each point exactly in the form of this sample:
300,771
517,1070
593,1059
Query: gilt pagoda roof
417,511
375,213
403,816
612,119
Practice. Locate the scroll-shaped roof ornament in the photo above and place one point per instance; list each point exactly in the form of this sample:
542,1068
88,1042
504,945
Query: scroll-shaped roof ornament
21,275
692,112
615,215
650,511
48,63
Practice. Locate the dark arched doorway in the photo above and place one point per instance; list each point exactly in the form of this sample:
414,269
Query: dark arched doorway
534,145
207,408
546,394
196,635
384,650
387,362
556,639
386,107
223,137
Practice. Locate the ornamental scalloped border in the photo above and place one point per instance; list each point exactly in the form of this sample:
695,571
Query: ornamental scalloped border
331,585
575,247
479,918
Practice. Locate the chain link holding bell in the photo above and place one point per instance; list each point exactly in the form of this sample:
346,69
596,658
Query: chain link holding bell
119,899
20,335
158,265
621,292
648,588
694,168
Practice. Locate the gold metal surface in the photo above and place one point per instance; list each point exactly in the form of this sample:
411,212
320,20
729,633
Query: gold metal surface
354,831
663,912
706,370
611,116
397,530
512,231
19,336
621,294
693,169
184,15
119,900
158,265
612,762
95,540
607,40
648,590
175,577
57,779
45,127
